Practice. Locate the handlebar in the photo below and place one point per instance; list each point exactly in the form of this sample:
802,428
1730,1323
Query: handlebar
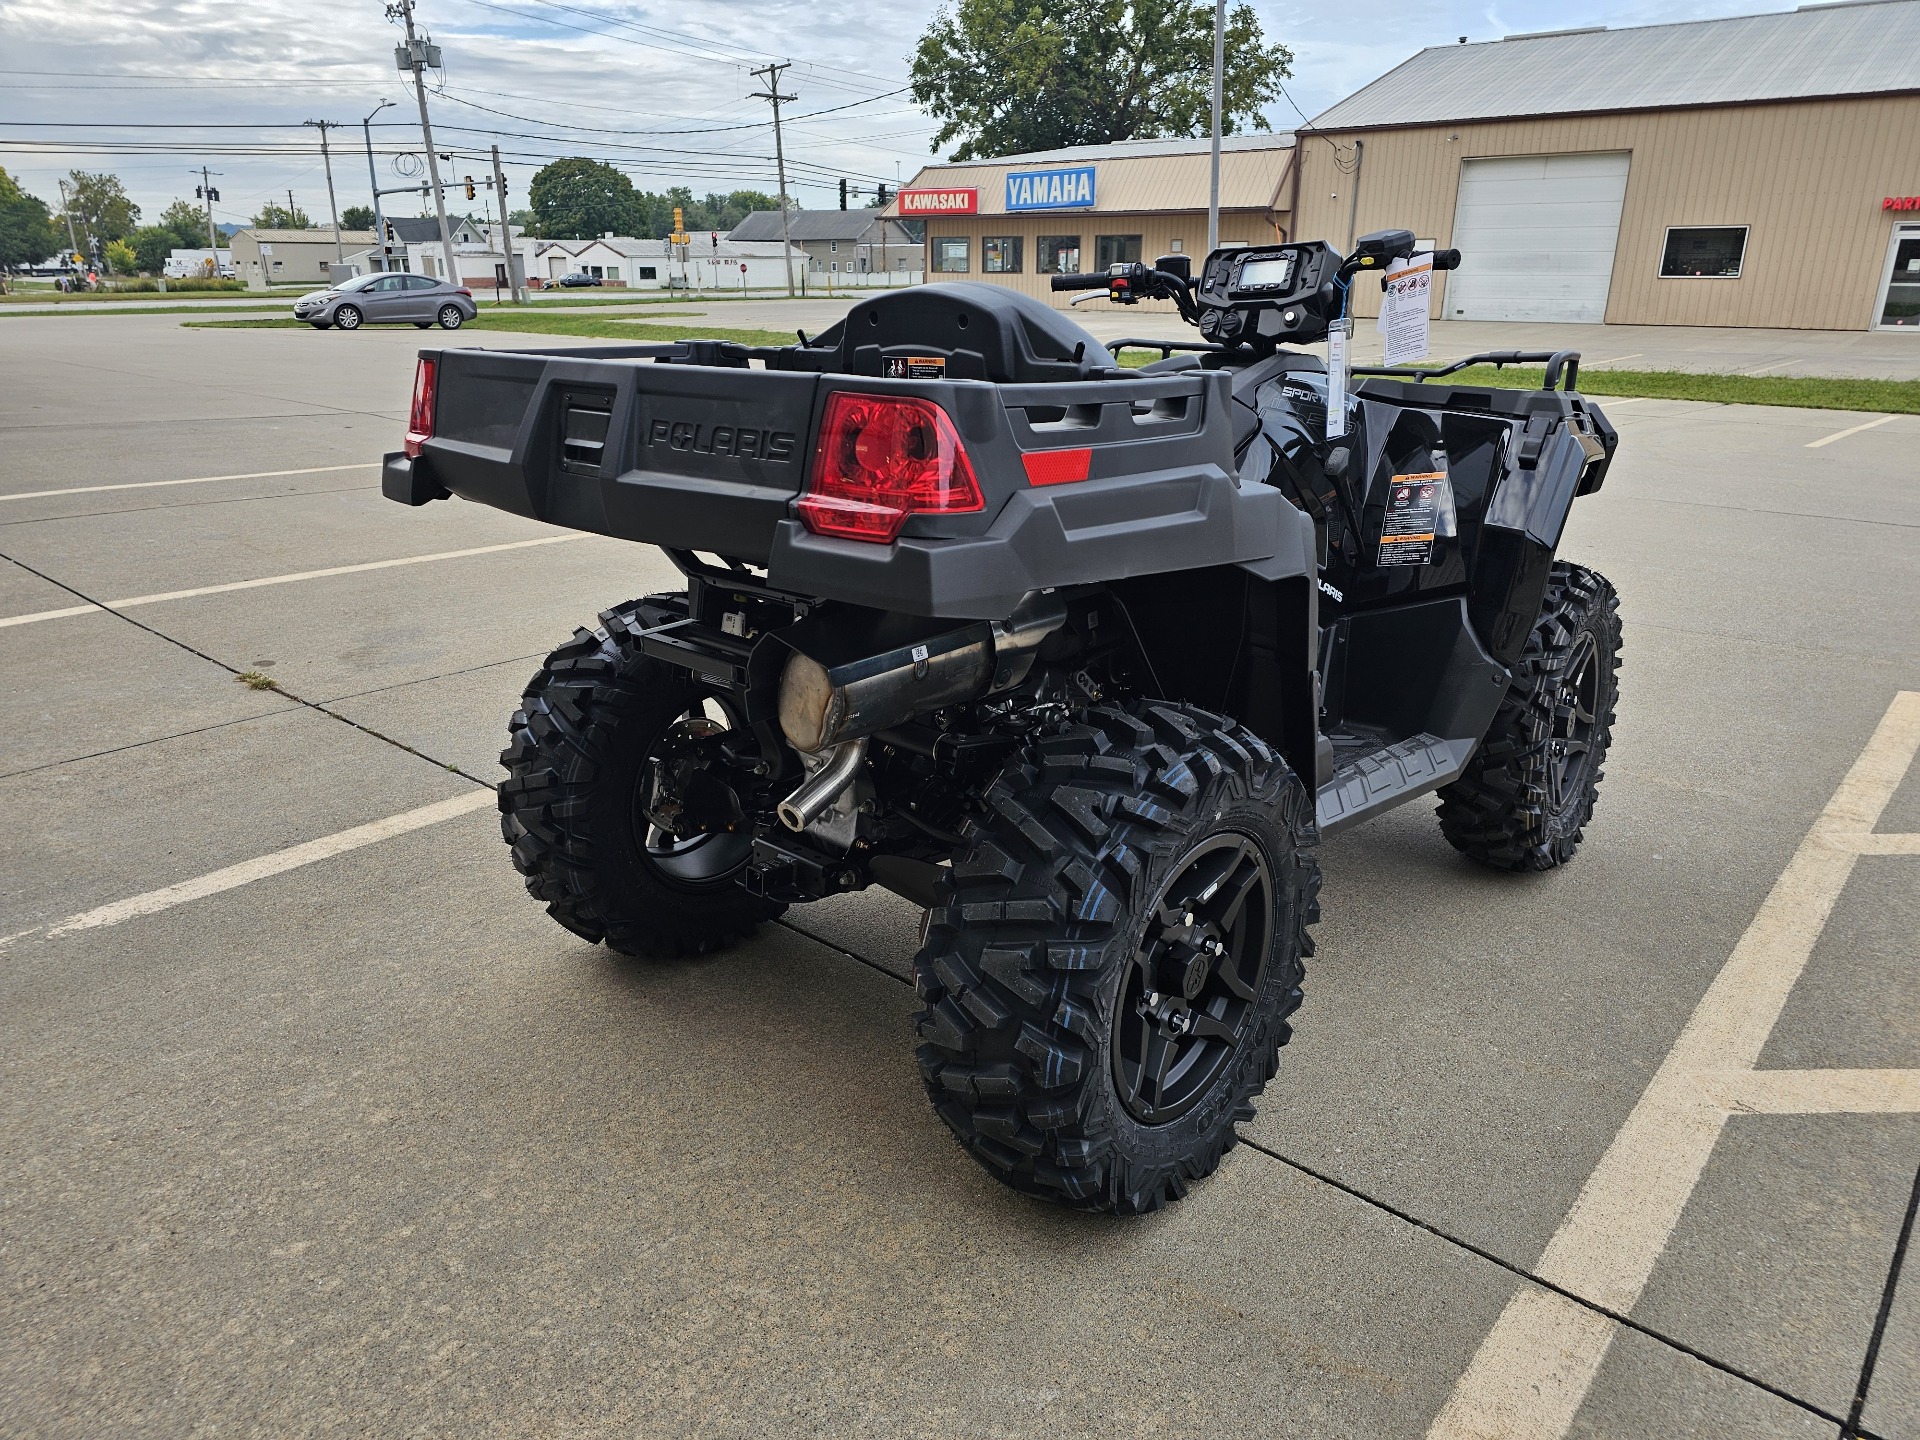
1446,259
1080,282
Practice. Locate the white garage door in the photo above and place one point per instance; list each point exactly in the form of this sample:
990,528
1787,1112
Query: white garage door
1536,236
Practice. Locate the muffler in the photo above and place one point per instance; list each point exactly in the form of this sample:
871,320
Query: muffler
825,703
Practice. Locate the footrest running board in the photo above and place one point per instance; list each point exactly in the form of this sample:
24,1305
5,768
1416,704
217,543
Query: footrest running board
1377,780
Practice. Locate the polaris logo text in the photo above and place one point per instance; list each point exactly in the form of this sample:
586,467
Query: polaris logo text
742,442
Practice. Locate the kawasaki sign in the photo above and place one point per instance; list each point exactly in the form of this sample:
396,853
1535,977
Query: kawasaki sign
1070,189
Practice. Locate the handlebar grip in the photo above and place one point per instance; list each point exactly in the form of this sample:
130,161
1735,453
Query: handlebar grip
1080,282
1446,259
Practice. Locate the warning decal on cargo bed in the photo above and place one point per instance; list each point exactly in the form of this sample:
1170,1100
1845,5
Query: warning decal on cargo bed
1413,505
916,367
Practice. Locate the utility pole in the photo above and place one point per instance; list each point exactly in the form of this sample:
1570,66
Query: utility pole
373,179
66,209
772,73
415,56
333,208
506,231
1219,84
207,193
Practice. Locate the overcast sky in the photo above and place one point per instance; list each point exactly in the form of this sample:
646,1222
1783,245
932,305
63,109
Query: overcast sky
150,90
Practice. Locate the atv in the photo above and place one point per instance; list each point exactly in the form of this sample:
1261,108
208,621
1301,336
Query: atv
1082,659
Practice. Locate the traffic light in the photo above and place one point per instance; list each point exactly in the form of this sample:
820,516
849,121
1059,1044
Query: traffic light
391,237
469,187
880,195
843,192
679,220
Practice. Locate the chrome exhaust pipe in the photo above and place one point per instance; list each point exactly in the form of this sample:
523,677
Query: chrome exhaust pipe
820,790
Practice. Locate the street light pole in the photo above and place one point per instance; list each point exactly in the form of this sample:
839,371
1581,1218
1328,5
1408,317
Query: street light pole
1219,84
373,179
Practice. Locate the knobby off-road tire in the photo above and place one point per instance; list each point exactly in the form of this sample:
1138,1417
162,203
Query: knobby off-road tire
1037,1046
1529,791
577,767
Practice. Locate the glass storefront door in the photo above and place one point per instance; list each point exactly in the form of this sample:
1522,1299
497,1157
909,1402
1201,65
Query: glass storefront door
1899,307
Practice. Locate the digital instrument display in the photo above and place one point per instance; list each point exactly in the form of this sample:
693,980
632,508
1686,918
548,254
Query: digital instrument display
1266,274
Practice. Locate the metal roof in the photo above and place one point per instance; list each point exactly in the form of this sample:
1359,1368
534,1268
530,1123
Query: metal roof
1862,47
1140,176
322,235
802,225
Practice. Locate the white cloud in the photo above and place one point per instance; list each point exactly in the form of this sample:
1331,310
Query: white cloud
615,93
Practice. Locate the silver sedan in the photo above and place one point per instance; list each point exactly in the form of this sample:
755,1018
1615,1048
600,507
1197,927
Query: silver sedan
390,298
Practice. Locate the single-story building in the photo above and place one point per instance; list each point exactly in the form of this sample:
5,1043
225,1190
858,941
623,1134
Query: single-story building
844,247
270,256
707,264
1762,170
1021,219
1754,171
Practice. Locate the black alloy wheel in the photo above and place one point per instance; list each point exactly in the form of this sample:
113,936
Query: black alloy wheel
1188,999
1570,752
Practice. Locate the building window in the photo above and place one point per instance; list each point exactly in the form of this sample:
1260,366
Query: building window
1000,255
833,247
1059,254
649,272
834,265
1708,252
1115,250
613,272
950,255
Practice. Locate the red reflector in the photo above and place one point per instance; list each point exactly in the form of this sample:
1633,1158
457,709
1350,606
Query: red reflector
882,458
420,418
1057,467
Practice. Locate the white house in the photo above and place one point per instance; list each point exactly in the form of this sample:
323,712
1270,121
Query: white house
706,265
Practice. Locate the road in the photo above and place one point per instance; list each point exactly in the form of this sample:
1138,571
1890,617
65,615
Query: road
313,1124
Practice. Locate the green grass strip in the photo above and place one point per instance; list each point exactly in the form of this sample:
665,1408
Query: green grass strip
1808,392
248,309
590,326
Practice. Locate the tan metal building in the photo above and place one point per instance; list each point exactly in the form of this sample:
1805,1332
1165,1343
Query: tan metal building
267,256
1756,171
1019,219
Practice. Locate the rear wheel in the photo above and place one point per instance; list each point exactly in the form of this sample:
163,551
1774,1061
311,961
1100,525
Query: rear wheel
348,317
423,324
451,317
1110,986
577,805
1529,791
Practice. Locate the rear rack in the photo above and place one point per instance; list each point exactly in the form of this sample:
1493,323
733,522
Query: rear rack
1555,361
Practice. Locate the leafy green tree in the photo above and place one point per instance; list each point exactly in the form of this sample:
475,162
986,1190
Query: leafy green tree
524,222
27,233
580,199
1006,76
187,222
120,258
101,206
357,217
279,217
151,244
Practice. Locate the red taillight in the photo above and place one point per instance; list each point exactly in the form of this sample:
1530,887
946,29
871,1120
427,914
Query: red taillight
882,458
463,290
1057,467
420,419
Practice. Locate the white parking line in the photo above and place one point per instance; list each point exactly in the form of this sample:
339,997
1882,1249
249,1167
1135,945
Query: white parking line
1532,1372
1763,369
278,863
233,585
196,480
1855,430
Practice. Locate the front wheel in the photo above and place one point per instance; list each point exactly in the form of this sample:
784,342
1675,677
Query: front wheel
578,805
1110,986
423,324
1528,793
348,317
451,318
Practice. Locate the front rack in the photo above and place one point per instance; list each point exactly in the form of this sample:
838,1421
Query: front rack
1555,360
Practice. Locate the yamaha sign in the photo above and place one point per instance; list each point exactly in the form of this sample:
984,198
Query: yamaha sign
1069,189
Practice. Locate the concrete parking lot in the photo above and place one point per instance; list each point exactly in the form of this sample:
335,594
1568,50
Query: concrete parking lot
313,1124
